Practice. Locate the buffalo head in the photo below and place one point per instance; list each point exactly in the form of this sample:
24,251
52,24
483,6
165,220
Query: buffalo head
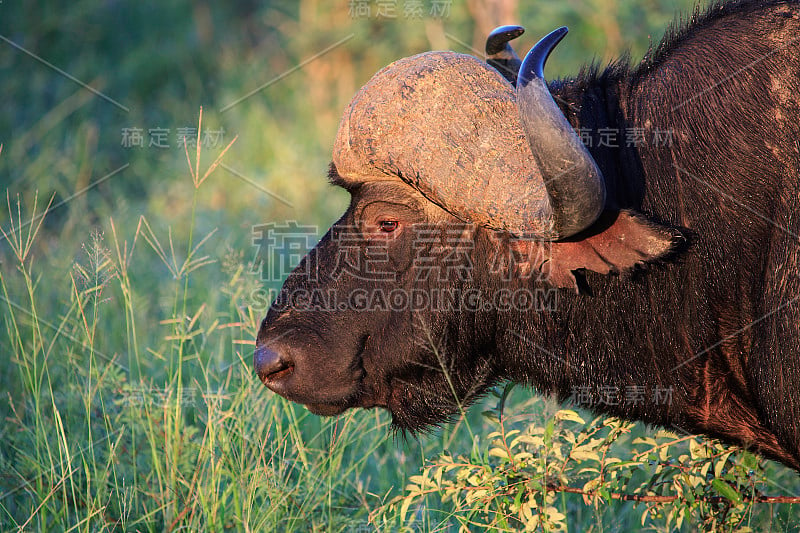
461,187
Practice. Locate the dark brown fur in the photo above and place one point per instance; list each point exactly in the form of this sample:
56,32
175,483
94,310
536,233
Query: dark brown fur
715,320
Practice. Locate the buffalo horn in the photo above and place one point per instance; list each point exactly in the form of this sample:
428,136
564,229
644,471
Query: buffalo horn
500,54
575,186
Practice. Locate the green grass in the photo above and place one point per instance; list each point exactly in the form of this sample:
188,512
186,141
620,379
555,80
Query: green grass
136,409
128,308
138,436
130,408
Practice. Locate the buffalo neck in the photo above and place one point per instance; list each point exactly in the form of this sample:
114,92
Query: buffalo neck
593,346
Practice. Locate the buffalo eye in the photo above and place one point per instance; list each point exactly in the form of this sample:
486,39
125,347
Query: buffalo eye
388,226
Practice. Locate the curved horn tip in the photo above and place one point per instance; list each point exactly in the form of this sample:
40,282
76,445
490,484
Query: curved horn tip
499,37
533,64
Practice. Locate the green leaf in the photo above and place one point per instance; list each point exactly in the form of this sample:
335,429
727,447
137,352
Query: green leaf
584,455
719,466
622,464
404,507
499,452
666,434
504,396
704,470
525,439
518,497
569,416
549,429
726,491
491,416
750,460
697,450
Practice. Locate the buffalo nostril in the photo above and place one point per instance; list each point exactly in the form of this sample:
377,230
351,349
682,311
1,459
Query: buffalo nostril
270,366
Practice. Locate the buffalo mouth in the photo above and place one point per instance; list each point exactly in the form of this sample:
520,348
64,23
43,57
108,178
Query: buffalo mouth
279,373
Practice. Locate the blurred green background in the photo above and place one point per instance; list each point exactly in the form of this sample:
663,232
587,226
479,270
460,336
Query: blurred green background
162,61
75,451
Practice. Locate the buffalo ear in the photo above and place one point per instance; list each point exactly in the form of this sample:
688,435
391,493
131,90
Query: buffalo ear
615,243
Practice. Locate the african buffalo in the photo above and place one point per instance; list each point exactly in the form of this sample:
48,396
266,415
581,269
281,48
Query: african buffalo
626,238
